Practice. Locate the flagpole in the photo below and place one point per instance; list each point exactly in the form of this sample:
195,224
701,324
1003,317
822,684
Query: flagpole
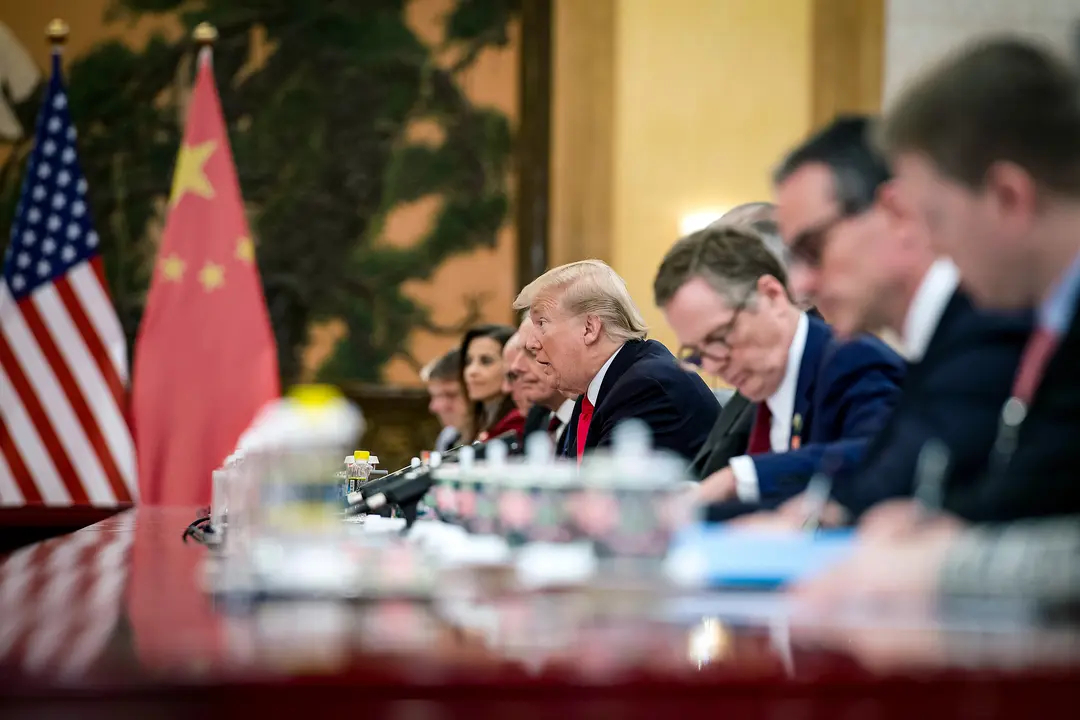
205,35
57,33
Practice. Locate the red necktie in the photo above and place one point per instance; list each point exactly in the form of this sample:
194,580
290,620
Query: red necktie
1040,348
759,435
583,426
554,424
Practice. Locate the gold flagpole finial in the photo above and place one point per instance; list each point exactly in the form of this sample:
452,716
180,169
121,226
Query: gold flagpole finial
205,34
57,32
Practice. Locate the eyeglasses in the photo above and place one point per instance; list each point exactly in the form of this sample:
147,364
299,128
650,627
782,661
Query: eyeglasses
807,247
716,346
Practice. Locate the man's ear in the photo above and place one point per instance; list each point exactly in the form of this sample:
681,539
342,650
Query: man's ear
1013,191
592,329
771,288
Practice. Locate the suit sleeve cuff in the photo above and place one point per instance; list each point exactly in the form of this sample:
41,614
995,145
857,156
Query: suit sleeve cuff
746,480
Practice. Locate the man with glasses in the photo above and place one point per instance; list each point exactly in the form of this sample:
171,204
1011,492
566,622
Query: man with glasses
815,402
863,254
986,145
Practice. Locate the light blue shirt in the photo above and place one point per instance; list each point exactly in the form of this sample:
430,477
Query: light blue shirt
1057,311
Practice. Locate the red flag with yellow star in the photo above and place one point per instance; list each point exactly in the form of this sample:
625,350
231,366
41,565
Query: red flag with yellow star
205,358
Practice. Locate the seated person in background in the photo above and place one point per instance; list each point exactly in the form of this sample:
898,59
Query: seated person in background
863,256
551,410
512,350
732,427
818,401
491,411
447,399
590,336
1002,199
1033,560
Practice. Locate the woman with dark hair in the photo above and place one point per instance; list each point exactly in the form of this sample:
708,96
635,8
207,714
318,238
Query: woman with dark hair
491,410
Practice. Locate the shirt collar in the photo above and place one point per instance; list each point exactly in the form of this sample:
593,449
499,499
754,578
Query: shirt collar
782,402
565,411
594,386
1057,310
927,306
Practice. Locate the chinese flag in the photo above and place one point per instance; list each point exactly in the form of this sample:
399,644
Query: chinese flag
205,359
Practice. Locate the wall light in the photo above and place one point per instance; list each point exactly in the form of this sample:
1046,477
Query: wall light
699,219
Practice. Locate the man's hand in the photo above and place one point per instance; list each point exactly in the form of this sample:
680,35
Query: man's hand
717,487
894,520
764,520
897,574
833,515
792,516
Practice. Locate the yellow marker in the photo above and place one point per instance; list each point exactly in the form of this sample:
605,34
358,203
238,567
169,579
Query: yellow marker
796,431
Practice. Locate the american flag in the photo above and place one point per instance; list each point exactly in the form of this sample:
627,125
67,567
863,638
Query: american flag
60,599
64,436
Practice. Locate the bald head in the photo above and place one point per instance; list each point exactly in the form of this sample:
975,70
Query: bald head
761,218
750,213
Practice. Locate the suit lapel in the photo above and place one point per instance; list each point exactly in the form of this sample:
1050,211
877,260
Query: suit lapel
735,408
939,340
818,344
627,354
569,442
719,447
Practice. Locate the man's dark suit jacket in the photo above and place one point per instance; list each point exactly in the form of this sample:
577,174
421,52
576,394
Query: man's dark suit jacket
954,394
1042,476
537,419
645,382
728,438
845,393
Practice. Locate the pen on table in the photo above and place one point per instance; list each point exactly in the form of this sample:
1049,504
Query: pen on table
931,469
816,498
818,491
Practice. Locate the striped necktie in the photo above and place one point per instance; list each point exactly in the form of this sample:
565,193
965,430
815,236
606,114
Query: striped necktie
1040,348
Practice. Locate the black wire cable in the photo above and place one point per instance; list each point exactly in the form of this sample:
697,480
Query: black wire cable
197,530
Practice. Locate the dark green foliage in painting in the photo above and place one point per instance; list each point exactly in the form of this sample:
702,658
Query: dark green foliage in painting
318,134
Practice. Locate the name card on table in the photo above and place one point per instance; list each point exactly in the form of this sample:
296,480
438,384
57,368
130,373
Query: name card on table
716,556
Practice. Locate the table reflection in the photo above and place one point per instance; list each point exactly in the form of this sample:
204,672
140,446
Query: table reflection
124,602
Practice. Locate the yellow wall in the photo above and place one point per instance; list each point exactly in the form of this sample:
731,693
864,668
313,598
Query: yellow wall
662,108
708,95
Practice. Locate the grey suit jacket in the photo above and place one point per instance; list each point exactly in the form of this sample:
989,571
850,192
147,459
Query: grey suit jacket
1036,560
728,438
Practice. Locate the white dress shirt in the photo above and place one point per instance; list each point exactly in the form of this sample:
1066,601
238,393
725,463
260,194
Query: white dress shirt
782,407
564,413
594,387
927,306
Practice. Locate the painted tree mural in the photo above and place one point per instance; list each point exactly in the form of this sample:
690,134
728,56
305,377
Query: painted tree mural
319,136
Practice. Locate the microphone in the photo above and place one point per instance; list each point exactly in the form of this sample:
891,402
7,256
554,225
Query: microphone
373,487
510,437
407,489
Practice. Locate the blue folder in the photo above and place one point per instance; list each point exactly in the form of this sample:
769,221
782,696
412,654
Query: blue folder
716,556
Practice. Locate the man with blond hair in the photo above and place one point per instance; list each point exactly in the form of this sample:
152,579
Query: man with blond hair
591,338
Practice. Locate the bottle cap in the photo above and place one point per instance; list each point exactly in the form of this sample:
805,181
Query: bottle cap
314,395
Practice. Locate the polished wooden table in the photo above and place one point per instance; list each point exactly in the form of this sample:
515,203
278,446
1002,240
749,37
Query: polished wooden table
112,621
